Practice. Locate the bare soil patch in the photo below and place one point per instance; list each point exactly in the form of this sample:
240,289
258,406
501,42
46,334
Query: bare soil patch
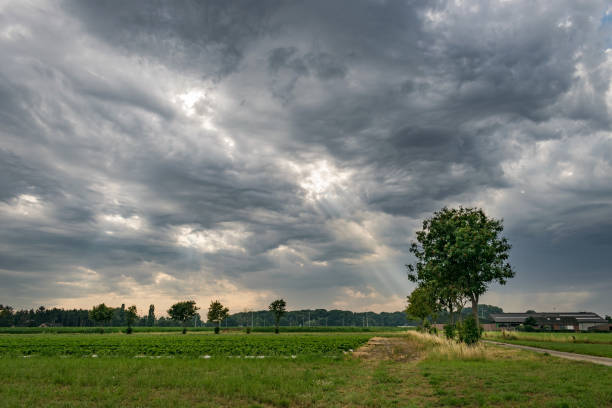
388,348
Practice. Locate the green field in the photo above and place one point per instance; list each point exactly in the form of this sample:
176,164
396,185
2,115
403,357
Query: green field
418,374
595,344
602,338
158,329
593,349
86,345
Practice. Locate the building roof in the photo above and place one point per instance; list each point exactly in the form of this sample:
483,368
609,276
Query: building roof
543,318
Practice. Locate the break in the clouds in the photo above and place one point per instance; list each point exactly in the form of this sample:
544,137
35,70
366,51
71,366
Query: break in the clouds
248,150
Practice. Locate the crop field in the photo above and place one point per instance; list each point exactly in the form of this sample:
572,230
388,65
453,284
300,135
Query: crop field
158,329
84,345
416,371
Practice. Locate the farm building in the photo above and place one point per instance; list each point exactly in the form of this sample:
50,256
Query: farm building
553,321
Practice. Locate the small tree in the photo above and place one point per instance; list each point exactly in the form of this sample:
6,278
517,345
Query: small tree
183,311
101,314
130,317
530,323
421,303
278,309
216,313
151,316
469,331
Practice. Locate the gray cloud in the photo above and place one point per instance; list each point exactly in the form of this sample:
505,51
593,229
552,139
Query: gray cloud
248,150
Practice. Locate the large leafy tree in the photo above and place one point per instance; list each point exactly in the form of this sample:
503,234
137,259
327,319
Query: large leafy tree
278,309
461,248
183,311
216,313
101,313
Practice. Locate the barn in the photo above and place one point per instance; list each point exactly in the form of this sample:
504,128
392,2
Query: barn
581,321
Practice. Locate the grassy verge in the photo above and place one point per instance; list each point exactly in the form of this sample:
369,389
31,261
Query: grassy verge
518,379
600,338
592,349
222,382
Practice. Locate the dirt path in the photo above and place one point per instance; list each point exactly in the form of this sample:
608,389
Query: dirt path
387,348
570,356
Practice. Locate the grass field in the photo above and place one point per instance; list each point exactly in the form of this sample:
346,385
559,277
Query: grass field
595,344
593,349
602,338
425,376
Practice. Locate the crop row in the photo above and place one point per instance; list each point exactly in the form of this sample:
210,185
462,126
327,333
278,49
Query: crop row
156,345
153,329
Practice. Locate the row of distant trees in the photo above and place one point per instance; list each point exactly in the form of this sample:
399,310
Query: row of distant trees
307,317
183,312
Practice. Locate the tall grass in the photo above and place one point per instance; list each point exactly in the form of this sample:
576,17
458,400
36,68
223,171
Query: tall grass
442,348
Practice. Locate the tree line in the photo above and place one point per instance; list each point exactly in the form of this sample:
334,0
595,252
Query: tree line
255,318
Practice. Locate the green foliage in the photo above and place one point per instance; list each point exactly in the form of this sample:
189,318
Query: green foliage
421,303
469,331
84,345
461,251
101,313
130,317
530,321
183,311
248,330
216,313
278,309
449,331
151,316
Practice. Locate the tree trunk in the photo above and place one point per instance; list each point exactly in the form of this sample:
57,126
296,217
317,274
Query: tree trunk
451,316
475,310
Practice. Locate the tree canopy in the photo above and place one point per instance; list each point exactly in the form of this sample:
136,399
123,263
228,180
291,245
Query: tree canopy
278,309
101,313
183,311
216,312
461,249
421,303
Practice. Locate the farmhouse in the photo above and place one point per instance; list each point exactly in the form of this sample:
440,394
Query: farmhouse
553,321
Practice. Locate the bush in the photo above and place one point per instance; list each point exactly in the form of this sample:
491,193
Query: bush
449,331
129,330
433,330
216,329
248,330
184,330
276,330
468,332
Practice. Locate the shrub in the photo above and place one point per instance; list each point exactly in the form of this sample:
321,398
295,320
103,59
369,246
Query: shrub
248,330
216,329
449,331
433,330
129,330
468,331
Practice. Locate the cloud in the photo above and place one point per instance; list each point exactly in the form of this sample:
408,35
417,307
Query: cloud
261,149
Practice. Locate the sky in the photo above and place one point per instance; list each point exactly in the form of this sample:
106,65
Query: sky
158,151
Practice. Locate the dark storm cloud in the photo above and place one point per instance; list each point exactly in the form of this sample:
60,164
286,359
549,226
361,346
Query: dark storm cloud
294,147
